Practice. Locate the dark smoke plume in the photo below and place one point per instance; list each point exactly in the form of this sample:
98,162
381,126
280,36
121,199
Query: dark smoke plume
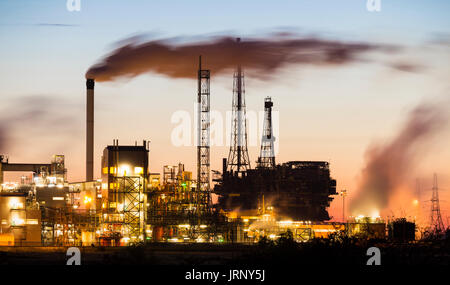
260,56
388,164
34,115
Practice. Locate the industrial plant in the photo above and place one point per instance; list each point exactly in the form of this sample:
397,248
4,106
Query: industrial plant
133,204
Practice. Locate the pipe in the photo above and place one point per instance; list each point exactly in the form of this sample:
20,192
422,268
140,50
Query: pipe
90,129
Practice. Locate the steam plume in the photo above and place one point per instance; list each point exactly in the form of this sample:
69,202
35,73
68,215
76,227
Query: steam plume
259,56
33,114
388,164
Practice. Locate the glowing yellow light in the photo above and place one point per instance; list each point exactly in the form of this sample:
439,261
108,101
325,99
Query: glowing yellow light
138,170
52,180
124,170
15,204
415,202
87,199
16,221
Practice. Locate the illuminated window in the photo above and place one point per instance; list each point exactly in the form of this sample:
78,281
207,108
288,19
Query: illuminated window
52,180
124,170
16,221
32,221
138,170
15,204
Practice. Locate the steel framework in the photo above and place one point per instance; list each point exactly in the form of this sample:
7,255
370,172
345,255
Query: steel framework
436,218
127,216
238,160
203,133
267,154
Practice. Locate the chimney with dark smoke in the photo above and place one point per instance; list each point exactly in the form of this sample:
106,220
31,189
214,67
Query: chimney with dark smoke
387,165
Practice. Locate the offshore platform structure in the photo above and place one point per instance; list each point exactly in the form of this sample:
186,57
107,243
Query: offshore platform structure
299,190
267,154
238,160
203,137
436,218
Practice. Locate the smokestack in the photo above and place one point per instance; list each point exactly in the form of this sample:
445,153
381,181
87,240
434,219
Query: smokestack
90,129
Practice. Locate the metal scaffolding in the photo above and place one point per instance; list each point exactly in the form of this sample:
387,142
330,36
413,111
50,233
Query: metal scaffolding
266,157
238,159
436,218
203,139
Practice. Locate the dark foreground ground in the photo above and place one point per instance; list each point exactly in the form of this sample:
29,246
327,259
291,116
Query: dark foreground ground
284,252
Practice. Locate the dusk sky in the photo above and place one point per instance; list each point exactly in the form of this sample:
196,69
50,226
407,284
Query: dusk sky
327,112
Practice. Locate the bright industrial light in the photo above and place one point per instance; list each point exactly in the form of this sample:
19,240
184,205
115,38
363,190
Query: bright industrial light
138,170
16,221
124,170
87,199
32,222
51,179
14,203
415,202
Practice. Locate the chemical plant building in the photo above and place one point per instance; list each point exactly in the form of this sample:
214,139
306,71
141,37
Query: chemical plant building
132,203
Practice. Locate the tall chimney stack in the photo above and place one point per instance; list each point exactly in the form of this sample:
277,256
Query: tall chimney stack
90,129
